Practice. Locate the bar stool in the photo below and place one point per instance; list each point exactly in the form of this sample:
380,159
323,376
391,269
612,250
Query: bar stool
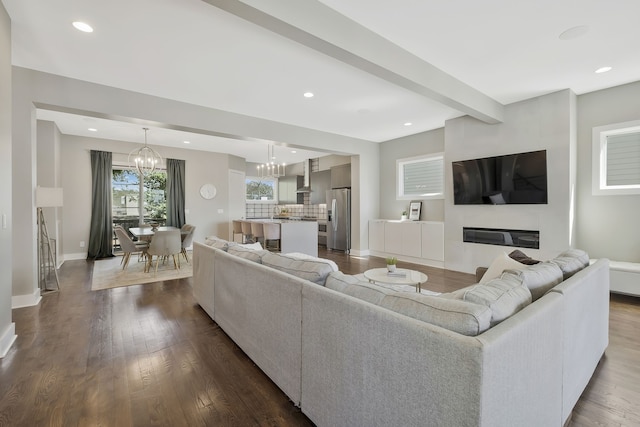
246,231
237,229
271,232
256,231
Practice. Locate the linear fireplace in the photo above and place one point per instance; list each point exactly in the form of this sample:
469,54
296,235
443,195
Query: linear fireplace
502,237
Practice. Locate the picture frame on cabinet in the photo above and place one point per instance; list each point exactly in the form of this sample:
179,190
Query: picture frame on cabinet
414,210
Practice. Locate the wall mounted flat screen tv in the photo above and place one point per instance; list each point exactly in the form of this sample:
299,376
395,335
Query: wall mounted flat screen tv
511,179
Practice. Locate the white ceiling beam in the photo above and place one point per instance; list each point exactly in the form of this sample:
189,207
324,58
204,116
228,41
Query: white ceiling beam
321,28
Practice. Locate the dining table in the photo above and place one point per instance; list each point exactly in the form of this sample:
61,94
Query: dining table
147,232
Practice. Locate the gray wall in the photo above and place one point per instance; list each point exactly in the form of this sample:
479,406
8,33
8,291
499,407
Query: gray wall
7,328
200,168
607,226
543,123
411,146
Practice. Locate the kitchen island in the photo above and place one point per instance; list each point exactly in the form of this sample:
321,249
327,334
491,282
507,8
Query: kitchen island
295,235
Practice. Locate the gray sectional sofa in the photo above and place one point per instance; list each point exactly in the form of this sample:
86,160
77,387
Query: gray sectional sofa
515,351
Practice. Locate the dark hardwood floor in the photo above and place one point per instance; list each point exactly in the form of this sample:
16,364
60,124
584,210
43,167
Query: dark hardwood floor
148,355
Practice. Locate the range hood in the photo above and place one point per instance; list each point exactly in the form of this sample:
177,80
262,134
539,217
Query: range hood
306,188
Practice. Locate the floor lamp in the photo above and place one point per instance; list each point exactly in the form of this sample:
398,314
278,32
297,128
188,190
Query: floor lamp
46,198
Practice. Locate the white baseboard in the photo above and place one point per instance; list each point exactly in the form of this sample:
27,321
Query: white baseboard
355,252
72,257
7,339
28,300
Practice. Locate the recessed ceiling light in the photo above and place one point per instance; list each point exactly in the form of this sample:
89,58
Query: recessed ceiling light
408,124
83,26
187,142
308,95
603,70
92,130
293,151
574,32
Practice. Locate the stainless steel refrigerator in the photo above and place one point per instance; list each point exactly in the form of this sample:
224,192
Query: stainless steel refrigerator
339,219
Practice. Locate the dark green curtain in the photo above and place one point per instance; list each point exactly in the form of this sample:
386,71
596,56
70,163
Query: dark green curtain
175,192
101,232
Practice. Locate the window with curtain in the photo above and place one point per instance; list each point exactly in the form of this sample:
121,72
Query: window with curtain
420,177
616,159
136,201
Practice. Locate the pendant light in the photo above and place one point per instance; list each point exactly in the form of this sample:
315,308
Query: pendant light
145,160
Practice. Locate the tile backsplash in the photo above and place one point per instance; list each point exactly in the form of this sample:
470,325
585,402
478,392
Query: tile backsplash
267,210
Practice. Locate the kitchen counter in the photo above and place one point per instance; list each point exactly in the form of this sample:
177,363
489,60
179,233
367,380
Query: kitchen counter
296,235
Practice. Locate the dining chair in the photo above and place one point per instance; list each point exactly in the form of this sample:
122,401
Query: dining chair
237,229
128,246
164,243
246,232
187,239
271,231
256,231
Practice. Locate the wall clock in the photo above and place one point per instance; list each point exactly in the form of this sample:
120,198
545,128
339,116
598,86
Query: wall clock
208,191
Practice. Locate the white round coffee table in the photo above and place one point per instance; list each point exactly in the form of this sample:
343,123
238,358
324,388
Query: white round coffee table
402,276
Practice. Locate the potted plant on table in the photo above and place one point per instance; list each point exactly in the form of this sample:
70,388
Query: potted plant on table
391,264
404,215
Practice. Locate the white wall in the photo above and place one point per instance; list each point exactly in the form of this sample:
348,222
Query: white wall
607,225
32,88
200,168
7,328
543,123
411,146
49,175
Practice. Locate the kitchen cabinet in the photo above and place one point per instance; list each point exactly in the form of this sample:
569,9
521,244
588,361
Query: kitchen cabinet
287,186
320,183
403,238
341,176
420,242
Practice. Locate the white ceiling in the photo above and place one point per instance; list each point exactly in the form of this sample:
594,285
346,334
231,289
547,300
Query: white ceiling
195,52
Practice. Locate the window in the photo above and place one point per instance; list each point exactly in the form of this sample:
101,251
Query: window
420,177
135,201
616,159
261,189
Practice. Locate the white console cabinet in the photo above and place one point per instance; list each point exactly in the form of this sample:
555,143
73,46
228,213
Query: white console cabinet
420,242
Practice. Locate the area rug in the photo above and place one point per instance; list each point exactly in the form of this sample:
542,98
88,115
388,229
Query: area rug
108,273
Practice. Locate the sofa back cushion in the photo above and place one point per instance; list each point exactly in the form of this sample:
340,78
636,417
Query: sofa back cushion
505,296
453,314
571,261
459,316
217,242
350,285
315,270
539,278
247,253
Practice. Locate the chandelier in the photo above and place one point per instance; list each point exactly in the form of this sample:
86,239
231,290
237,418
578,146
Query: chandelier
270,169
145,160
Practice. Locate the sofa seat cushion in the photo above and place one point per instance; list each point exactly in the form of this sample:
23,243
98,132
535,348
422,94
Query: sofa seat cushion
453,314
247,253
539,278
315,270
504,296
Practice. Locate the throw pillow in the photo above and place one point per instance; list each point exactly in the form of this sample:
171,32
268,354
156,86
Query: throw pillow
504,296
246,253
301,256
501,263
521,257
